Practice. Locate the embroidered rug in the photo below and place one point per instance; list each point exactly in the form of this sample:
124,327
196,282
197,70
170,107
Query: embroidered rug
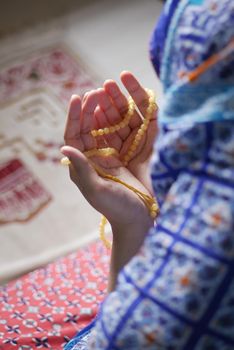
47,307
42,214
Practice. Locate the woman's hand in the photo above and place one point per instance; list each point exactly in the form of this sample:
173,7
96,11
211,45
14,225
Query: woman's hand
102,108
113,105
128,215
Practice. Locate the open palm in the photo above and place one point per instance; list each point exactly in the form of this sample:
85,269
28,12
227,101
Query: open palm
112,106
102,108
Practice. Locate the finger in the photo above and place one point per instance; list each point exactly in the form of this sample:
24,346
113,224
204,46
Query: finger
87,119
121,102
86,95
88,108
110,140
72,128
135,89
112,113
96,124
81,171
100,122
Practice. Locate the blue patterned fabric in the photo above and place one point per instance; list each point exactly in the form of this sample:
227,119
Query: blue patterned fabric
198,30
82,338
159,35
177,293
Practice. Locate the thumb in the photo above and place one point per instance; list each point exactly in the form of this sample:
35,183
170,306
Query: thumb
81,171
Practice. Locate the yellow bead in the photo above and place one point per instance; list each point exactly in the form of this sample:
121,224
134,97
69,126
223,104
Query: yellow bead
65,161
152,108
112,129
100,132
147,122
102,232
149,110
138,137
106,130
117,127
133,147
141,132
122,124
126,161
143,127
153,214
136,144
94,133
154,206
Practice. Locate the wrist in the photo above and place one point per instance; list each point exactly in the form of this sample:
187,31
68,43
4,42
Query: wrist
138,221
138,228
127,241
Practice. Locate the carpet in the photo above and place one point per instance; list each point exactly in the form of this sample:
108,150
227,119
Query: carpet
42,214
47,307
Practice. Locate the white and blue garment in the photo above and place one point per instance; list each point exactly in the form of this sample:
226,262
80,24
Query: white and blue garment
177,293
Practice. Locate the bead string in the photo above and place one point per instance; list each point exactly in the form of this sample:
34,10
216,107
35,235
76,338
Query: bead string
146,199
150,202
144,126
104,152
120,125
102,225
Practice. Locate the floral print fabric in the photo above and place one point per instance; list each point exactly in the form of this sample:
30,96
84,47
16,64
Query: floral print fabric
178,292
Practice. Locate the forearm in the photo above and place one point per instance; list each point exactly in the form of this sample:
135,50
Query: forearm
126,243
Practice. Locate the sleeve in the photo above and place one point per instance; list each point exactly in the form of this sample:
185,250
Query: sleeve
178,292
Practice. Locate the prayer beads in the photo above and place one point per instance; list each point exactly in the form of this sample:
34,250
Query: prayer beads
149,201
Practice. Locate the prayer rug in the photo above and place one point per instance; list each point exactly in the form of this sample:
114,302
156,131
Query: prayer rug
42,214
47,307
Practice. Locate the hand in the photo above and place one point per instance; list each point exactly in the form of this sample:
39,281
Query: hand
97,110
113,105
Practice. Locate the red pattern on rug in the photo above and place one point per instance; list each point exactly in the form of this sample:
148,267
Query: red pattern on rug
56,74
47,307
54,69
21,194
